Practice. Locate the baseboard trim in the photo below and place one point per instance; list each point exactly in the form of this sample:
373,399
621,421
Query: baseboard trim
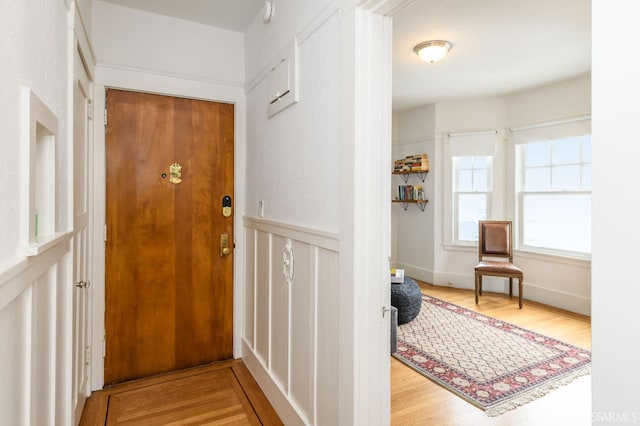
283,406
536,293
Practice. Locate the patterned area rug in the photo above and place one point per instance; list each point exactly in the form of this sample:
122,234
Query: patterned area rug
492,364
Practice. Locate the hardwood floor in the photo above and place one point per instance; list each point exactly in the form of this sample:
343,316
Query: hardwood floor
225,393
221,393
416,400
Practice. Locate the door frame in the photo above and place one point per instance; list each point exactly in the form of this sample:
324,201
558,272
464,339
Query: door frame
82,324
147,82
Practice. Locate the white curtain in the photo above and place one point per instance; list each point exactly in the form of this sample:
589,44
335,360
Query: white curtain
474,144
552,131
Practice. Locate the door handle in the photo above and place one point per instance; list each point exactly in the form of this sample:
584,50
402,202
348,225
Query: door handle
83,284
225,250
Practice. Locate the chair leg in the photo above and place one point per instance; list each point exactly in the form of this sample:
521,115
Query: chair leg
480,284
510,288
476,288
520,293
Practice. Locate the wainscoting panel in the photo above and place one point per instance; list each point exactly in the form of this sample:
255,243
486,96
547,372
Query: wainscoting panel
292,281
250,284
328,294
279,315
35,332
302,327
262,296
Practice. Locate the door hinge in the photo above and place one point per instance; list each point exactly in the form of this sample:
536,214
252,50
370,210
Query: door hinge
87,355
105,117
105,233
90,109
104,346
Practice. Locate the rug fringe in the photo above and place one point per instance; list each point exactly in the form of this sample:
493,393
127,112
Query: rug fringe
534,394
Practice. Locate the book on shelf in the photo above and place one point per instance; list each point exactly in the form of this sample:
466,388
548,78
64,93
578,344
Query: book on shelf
412,163
410,192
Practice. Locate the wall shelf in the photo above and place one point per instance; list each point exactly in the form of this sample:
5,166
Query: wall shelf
422,174
405,203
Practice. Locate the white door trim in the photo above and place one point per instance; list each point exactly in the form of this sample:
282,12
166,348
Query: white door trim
365,242
171,86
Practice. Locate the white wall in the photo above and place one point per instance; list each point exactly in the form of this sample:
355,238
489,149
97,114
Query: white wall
292,157
35,320
567,99
413,230
317,167
293,167
136,40
616,330
33,42
548,279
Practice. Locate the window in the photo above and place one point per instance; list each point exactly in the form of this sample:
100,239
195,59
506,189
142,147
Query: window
469,173
555,196
471,195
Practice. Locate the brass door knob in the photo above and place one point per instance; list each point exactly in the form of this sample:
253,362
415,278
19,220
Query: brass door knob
226,251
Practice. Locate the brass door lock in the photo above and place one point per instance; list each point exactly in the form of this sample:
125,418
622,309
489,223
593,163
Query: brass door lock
224,245
226,206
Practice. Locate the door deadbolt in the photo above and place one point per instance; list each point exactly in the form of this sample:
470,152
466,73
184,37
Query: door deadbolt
226,206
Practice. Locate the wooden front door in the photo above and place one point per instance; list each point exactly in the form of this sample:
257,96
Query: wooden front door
169,283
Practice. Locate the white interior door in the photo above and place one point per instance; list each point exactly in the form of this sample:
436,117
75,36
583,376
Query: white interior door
81,239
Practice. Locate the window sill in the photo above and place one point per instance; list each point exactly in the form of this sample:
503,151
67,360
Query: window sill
553,257
45,243
529,254
463,248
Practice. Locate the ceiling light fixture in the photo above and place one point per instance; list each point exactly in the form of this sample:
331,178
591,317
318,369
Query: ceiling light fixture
433,50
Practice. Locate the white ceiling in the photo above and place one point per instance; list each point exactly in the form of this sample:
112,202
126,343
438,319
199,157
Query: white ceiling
499,46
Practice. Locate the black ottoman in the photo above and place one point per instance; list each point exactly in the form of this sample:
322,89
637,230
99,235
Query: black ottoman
407,298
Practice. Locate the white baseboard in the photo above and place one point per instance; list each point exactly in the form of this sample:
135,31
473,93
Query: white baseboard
536,293
283,406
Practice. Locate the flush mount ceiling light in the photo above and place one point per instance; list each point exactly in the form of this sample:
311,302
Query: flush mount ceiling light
433,50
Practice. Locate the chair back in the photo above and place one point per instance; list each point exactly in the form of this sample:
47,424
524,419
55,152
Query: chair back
495,239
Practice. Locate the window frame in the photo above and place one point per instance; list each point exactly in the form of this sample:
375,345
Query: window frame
491,143
456,194
521,192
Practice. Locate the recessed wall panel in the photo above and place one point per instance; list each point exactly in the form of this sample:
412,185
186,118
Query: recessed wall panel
262,296
279,315
302,327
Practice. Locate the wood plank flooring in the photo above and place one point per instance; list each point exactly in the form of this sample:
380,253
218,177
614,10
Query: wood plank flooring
217,394
416,400
225,393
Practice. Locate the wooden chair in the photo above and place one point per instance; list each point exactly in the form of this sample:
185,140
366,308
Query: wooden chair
495,241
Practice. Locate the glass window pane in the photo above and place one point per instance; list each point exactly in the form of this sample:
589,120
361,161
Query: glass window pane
480,162
566,151
586,149
465,182
566,178
465,162
538,179
471,209
586,177
480,179
537,154
558,221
